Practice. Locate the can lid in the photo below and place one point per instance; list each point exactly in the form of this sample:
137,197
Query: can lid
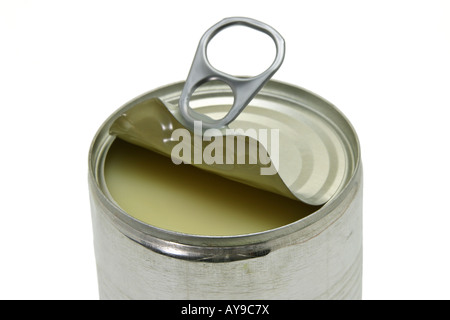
303,137
316,159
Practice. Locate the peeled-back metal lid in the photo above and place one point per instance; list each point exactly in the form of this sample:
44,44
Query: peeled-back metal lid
309,143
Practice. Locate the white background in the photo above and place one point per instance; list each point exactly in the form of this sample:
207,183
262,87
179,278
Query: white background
65,66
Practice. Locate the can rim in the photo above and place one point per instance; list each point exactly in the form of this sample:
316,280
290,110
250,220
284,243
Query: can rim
193,246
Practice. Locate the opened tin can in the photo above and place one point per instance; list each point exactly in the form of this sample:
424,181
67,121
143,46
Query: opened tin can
314,255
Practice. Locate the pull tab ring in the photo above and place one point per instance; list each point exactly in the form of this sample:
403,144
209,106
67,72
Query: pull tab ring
244,89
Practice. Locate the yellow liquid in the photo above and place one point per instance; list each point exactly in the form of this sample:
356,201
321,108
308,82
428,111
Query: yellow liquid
182,198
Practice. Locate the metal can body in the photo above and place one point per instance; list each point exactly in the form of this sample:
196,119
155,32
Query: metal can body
317,257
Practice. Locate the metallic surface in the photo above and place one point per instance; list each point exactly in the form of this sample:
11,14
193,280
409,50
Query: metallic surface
316,159
317,257
244,89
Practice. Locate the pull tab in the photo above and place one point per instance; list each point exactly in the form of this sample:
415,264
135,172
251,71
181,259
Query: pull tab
244,89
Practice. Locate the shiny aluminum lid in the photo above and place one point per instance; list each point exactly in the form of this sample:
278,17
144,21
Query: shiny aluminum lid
309,156
318,148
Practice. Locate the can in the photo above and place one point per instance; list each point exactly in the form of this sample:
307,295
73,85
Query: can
316,257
